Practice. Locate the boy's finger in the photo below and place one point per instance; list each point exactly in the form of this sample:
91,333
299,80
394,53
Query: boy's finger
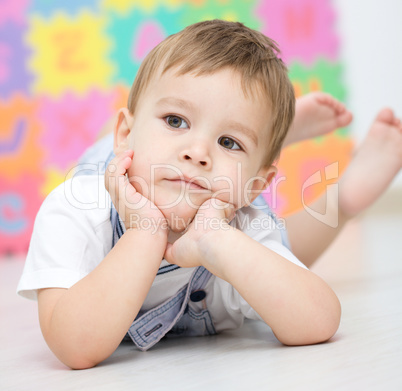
168,253
116,162
120,156
228,208
230,212
120,164
117,168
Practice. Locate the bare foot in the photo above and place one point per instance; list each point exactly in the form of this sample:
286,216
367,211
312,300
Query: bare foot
374,166
317,113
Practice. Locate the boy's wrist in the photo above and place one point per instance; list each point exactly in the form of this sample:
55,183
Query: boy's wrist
213,250
152,236
149,225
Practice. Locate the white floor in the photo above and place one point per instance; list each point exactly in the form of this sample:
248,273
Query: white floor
364,267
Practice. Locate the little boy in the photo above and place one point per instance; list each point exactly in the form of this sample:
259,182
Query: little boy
206,118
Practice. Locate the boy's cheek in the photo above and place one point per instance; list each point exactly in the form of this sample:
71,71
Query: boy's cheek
139,177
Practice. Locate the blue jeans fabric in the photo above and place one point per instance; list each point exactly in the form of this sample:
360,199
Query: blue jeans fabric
174,316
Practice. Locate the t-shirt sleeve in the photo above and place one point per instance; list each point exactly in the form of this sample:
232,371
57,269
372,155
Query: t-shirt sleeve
66,244
263,229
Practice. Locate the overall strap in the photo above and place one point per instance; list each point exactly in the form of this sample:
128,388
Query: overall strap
119,229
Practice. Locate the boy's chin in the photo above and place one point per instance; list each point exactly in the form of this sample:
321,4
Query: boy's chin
178,221
177,228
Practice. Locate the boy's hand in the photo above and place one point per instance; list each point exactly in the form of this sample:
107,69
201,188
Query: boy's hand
191,249
137,211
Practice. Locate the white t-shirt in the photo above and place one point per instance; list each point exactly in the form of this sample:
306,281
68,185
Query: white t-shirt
73,234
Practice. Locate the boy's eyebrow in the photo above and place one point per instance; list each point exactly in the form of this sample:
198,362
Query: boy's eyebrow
175,101
243,129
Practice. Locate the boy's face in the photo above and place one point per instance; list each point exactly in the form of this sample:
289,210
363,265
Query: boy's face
196,138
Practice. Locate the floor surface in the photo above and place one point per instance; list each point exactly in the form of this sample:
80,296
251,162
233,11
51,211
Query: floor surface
364,267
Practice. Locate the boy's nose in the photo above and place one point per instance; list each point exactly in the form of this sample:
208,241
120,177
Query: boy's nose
198,155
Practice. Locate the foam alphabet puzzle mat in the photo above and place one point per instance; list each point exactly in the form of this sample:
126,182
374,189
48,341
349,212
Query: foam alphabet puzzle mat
66,66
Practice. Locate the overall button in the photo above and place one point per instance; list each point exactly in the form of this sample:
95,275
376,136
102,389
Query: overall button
197,296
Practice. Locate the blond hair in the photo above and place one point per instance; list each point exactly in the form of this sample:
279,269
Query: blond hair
206,47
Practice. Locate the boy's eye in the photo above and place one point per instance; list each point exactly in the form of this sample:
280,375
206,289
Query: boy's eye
228,143
176,122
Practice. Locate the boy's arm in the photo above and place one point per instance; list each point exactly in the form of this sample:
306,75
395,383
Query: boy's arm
299,307
83,325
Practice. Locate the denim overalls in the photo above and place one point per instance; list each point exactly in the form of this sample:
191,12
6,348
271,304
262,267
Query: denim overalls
174,317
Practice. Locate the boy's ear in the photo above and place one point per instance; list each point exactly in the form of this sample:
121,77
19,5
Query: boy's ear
261,181
121,131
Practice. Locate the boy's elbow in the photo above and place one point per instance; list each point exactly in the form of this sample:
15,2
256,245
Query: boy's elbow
77,360
313,332
328,324
75,356
80,363
318,334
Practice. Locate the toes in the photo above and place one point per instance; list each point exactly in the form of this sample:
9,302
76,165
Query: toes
345,118
340,108
324,98
386,115
397,122
329,100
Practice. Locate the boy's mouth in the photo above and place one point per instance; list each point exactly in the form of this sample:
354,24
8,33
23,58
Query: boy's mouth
189,183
